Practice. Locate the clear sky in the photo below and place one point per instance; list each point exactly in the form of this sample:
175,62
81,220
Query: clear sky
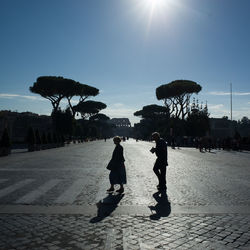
126,48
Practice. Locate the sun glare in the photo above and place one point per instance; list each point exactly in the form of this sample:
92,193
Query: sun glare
156,8
156,5
155,12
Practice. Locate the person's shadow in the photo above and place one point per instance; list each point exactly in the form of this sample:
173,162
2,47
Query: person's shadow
106,206
163,206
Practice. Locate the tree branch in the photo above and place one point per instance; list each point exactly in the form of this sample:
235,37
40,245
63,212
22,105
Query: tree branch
70,105
82,99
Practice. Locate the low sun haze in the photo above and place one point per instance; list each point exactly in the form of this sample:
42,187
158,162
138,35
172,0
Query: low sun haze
126,49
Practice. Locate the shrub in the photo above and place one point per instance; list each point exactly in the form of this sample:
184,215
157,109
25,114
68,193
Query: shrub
5,141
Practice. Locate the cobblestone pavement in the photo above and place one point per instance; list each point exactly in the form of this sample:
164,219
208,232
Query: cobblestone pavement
56,199
124,232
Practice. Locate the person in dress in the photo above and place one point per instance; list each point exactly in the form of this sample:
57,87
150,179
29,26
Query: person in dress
117,168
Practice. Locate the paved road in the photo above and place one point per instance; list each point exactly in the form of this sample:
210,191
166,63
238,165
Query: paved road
56,199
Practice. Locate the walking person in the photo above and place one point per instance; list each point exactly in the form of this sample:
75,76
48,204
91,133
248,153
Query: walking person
117,168
161,162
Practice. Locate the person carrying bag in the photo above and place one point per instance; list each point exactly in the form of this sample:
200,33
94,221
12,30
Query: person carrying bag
116,166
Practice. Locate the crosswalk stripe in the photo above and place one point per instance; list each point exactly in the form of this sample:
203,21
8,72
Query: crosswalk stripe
125,235
71,193
137,184
12,188
33,195
109,239
103,184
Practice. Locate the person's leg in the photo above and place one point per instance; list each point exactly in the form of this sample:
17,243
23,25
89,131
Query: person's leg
121,190
111,188
163,177
157,172
111,181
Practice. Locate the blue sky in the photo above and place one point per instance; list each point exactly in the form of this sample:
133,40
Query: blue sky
126,48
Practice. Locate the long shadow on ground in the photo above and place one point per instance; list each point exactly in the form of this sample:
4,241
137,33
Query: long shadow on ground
106,206
163,206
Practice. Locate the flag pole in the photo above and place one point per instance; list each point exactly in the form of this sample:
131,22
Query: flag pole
231,101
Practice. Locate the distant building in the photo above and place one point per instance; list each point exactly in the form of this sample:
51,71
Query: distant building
122,126
222,127
18,124
120,122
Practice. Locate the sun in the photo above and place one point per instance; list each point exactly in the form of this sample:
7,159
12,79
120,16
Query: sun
156,4
155,12
156,8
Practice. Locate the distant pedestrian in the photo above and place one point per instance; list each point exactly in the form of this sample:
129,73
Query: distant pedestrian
161,162
117,168
173,142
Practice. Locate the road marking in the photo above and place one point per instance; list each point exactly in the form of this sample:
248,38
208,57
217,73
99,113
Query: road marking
109,239
136,183
12,188
174,193
41,169
71,193
33,195
125,234
103,185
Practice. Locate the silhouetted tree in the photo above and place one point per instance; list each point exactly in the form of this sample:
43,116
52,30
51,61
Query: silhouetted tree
78,131
197,123
5,140
63,121
89,108
52,88
93,131
83,91
103,128
153,111
55,88
143,129
99,117
176,96
5,143
244,122
154,118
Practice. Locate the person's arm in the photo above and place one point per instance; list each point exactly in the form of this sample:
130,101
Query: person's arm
121,157
161,149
